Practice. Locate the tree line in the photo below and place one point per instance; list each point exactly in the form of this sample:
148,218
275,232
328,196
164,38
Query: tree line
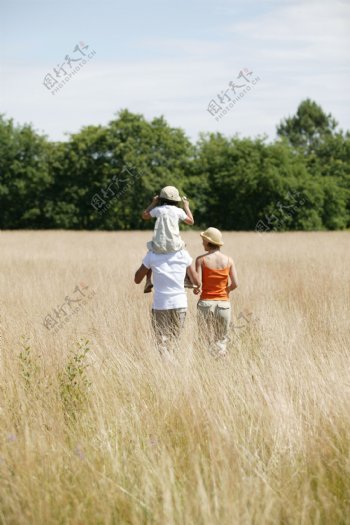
104,176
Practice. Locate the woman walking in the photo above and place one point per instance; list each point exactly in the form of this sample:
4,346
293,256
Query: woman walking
214,309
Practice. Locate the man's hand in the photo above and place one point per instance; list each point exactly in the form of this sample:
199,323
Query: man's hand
155,199
196,290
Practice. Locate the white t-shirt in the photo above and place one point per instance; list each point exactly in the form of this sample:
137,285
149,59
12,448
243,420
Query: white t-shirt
166,236
169,270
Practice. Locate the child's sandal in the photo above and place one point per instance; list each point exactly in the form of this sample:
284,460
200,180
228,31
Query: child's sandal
148,287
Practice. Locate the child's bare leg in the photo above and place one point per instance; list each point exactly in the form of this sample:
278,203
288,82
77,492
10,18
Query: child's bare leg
148,285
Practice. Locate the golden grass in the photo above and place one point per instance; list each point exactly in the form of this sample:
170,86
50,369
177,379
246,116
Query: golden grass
261,437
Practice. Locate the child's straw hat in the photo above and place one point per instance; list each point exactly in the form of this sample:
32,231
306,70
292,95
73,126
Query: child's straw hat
170,193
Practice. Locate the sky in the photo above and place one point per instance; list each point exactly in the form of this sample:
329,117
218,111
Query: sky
174,58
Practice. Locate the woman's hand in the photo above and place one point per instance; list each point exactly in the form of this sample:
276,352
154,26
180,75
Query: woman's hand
155,199
196,290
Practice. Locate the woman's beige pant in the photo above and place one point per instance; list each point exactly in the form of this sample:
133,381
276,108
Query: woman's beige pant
214,319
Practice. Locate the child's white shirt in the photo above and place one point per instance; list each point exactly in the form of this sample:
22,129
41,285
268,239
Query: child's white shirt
166,235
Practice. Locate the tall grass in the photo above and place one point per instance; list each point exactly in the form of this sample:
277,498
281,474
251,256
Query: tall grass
97,428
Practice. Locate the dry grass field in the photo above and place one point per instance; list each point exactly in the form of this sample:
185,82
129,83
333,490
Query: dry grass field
96,428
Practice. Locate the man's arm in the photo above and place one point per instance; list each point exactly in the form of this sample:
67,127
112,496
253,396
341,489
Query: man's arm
189,219
140,273
145,214
233,277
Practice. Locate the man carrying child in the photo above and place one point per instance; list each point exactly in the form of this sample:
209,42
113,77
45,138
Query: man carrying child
169,262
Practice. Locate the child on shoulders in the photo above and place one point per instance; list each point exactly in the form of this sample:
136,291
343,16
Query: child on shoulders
166,235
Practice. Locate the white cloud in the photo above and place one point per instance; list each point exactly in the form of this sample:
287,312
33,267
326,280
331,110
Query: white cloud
304,29
299,49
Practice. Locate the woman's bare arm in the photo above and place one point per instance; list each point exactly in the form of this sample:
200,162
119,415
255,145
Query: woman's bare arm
199,275
233,277
193,275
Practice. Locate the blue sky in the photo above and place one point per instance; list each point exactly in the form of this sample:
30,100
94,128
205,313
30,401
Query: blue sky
172,58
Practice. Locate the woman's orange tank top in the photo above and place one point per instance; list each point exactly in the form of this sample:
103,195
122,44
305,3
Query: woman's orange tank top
214,283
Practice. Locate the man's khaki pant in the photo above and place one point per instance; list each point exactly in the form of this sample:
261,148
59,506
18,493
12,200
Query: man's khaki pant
214,319
167,325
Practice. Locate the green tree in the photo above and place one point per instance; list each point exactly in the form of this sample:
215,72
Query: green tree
80,167
308,127
103,176
24,176
157,155
244,179
123,165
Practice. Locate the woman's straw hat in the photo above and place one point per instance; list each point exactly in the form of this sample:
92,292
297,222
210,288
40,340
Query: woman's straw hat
170,193
213,235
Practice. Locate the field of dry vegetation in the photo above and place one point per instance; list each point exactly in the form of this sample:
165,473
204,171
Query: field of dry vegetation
96,428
